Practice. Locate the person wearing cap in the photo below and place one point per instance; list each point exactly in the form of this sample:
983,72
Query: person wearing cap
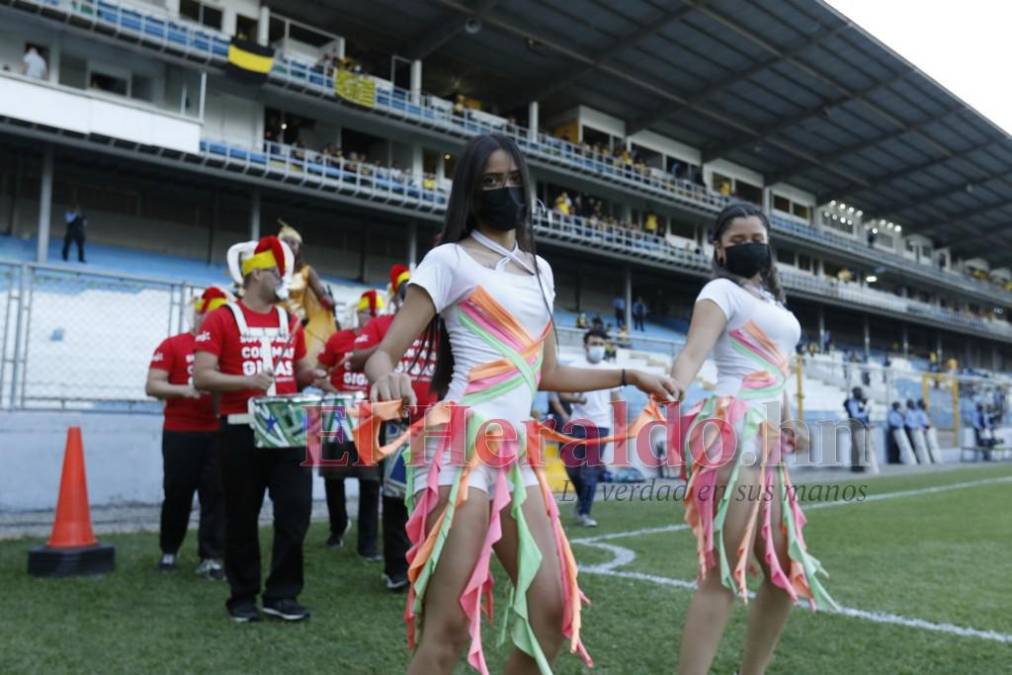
190,461
343,379
308,298
252,348
419,367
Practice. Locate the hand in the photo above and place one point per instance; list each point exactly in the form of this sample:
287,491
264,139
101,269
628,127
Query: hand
661,387
796,435
261,381
392,387
191,392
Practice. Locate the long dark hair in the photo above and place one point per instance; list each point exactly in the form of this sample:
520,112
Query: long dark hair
461,220
770,278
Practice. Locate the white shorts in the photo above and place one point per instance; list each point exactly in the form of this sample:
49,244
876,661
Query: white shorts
482,477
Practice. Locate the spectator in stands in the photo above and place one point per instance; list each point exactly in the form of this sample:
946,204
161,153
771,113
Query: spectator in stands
895,422
983,431
827,341
872,235
76,226
33,65
591,418
563,204
650,224
639,313
597,323
618,304
190,453
581,321
623,337
862,449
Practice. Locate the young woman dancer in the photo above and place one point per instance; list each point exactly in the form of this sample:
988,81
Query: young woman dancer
739,500
487,300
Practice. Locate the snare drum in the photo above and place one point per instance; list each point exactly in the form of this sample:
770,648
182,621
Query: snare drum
283,421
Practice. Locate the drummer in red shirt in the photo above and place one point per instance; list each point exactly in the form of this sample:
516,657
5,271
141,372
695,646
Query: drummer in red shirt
190,461
248,349
419,367
343,379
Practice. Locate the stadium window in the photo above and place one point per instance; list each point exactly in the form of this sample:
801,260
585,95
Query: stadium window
802,211
109,83
748,192
781,203
142,88
648,156
201,13
245,27
804,262
682,229
592,137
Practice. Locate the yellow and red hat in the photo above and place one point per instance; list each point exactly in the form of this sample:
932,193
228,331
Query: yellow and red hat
211,299
370,301
399,274
267,254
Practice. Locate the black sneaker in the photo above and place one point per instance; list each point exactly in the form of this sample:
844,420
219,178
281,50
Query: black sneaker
243,611
337,540
395,583
285,609
167,563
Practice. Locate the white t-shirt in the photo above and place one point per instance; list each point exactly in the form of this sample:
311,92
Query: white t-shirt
739,307
597,409
449,275
35,65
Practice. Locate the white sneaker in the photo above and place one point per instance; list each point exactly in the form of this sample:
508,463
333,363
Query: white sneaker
209,568
586,521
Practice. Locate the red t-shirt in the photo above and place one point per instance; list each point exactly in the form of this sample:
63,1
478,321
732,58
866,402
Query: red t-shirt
421,376
175,356
344,379
219,335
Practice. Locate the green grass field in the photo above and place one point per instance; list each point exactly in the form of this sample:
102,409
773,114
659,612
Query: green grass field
925,564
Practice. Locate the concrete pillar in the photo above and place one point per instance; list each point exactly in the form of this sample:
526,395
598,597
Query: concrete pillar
440,167
532,121
254,214
820,268
340,47
628,299
822,325
45,204
412,244
938,348
767,199
55,55
417,161
416,81
264,25
906,341
867,336
228,16
625,213
172,7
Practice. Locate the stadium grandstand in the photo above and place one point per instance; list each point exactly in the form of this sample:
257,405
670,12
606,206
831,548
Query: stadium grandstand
889,198
141,139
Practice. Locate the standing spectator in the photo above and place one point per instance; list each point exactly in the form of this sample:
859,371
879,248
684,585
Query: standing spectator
618,304
895,424
862,450
650,224
563,204
827,341
33,65
76,223
639,312
982,431
590,419
872,235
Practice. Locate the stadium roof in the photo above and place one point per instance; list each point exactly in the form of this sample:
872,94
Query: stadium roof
791,89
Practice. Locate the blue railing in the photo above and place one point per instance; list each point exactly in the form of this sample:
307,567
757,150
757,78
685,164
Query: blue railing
209,45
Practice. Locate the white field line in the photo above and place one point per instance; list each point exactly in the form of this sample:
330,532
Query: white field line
624,556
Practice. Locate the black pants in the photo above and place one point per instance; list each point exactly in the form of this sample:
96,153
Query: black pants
247,471
395,537
638,322
892,448
76,236
191,463
368,511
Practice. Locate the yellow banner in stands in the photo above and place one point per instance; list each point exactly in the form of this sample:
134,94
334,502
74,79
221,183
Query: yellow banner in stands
355,88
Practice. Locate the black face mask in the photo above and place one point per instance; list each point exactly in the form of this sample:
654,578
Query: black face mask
502,209
747,260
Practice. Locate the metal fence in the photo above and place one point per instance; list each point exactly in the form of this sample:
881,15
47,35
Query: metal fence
81,340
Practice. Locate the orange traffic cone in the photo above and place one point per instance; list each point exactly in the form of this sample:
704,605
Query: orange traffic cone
72,548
